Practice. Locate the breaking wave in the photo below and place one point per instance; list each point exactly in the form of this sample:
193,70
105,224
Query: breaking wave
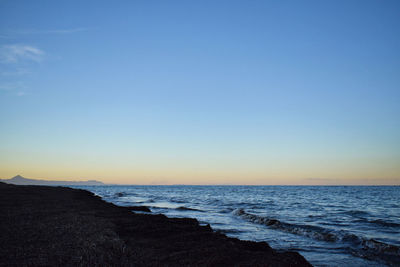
311,231
183,208
359,246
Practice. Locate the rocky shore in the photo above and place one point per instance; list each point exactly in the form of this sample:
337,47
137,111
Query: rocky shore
41,225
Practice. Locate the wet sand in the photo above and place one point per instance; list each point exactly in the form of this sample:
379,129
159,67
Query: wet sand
41,225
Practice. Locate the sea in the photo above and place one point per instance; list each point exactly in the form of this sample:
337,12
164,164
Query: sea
328,225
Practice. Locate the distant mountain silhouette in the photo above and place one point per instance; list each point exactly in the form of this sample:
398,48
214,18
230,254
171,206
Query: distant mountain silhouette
19,180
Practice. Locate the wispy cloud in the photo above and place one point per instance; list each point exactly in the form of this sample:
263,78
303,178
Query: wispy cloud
21,93
17,88
15,34
16,53
64,31
12,86
14,58
52,31
15,72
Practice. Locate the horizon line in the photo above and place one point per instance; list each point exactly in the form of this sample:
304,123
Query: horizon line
180,184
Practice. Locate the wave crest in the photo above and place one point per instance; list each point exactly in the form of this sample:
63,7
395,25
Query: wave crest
366,248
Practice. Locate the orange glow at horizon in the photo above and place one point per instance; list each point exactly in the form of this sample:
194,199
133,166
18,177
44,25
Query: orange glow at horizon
236,176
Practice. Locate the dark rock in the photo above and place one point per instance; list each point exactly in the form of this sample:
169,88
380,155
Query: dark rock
273,222
138,208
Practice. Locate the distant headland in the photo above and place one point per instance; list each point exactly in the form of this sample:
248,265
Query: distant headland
19,180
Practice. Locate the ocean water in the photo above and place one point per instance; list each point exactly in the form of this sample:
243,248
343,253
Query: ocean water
328,225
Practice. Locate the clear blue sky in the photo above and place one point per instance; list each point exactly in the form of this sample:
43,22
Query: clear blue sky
258,92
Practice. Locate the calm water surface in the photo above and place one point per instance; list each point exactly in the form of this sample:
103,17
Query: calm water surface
328,225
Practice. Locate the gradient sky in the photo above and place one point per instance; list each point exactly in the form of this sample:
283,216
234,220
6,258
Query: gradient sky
201,92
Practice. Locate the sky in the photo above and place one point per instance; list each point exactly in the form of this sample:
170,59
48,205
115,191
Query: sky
201,92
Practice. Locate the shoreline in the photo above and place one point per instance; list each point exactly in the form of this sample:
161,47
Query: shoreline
45,225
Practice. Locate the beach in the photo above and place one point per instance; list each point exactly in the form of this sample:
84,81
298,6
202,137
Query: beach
42,225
